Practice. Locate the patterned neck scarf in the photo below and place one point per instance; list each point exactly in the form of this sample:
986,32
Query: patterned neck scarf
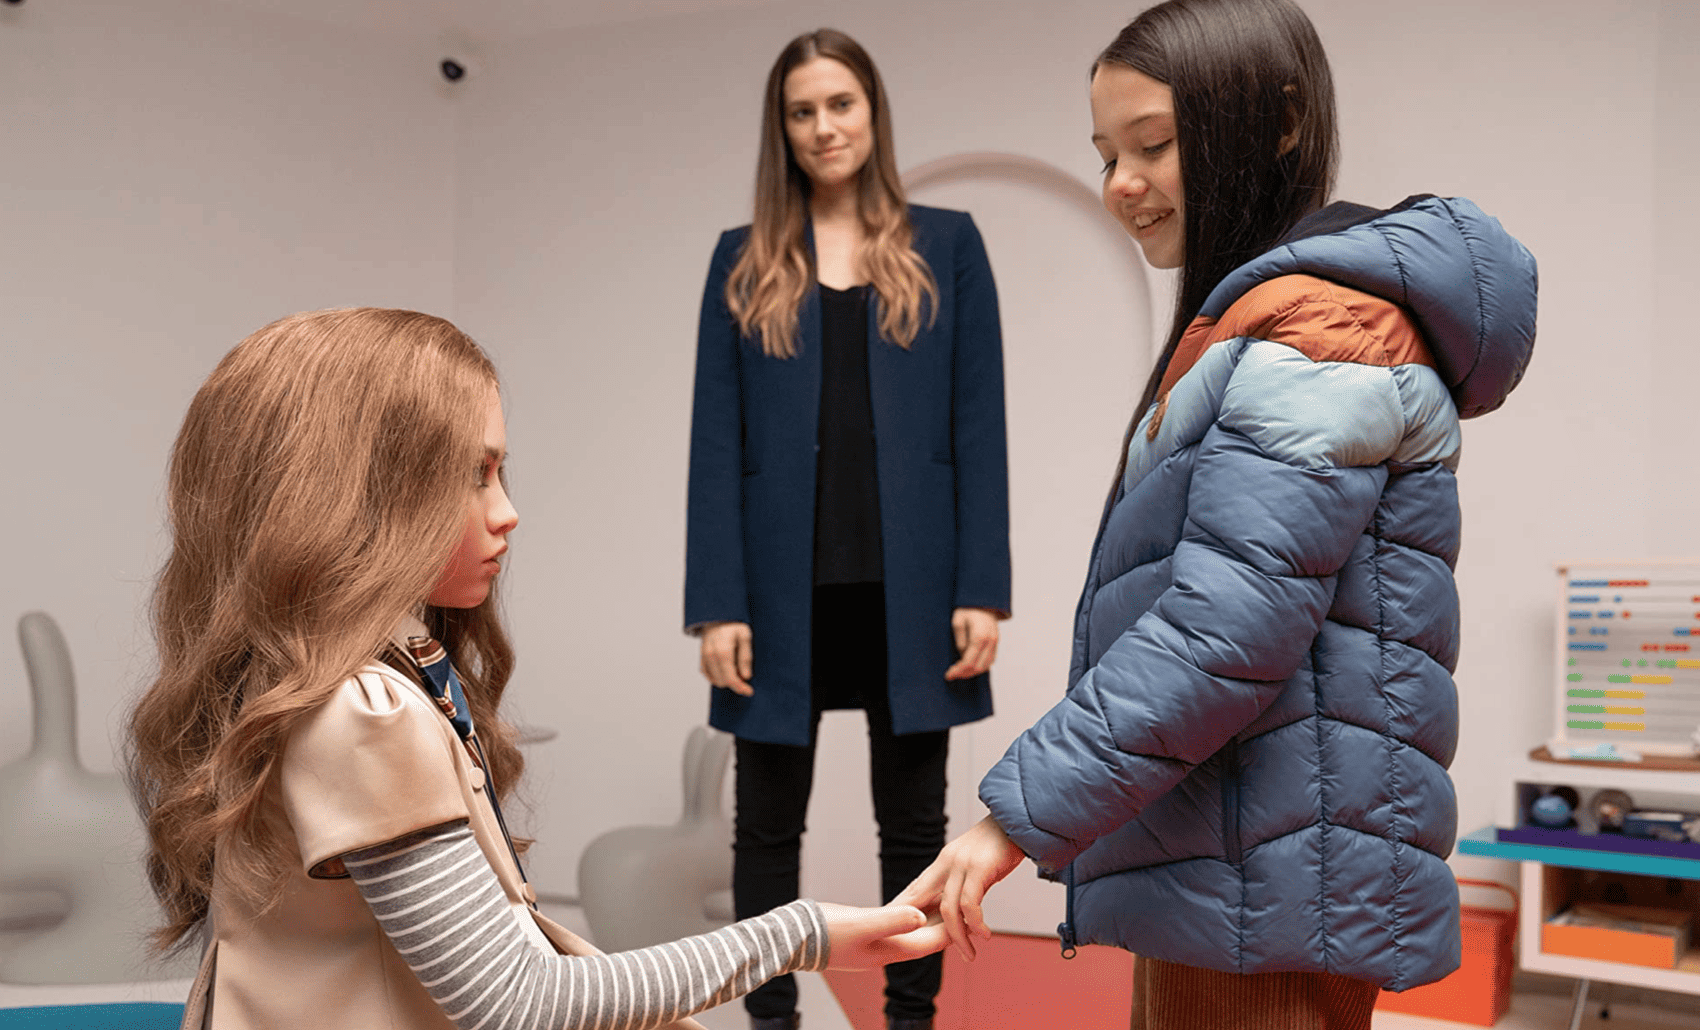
441,681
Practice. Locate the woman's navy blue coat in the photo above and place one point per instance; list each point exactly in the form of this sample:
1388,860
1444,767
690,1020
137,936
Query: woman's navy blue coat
944,508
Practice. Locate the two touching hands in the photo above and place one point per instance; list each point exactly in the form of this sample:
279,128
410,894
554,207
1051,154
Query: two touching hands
956,883
943,905
727,662
865,938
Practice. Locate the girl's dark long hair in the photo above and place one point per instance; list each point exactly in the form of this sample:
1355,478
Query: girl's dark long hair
1255,128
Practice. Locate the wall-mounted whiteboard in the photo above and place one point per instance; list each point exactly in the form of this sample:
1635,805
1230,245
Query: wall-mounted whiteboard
1628,666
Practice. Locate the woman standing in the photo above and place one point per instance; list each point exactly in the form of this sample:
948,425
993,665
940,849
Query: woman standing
1246,785
848,525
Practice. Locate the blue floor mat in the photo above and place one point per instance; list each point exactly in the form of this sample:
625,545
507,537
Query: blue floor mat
138,1015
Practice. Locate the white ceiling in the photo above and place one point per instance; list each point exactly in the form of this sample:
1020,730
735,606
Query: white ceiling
484,20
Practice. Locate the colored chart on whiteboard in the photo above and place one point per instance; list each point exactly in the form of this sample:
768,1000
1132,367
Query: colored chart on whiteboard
1629,665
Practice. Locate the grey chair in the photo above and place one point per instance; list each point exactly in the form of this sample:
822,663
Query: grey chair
644,885
72,833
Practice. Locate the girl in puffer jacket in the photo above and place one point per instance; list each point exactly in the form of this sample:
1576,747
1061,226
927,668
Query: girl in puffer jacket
1246,782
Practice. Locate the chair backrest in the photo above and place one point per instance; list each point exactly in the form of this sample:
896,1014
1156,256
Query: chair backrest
76,833
644,885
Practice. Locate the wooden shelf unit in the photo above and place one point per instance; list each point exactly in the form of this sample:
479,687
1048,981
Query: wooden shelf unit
1553,877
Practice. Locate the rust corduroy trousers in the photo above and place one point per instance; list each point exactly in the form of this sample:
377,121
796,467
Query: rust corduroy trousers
1167,996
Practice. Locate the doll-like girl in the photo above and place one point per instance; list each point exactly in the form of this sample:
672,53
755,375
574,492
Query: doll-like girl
321,757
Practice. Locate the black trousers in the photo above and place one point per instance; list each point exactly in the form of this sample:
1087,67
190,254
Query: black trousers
907,776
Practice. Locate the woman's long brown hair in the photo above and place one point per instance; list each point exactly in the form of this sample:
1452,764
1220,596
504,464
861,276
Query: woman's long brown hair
774,270
318,486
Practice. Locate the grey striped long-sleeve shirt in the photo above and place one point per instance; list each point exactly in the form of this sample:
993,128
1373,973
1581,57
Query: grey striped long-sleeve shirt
440,903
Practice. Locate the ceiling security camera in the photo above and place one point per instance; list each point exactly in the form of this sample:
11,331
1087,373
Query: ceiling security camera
452,69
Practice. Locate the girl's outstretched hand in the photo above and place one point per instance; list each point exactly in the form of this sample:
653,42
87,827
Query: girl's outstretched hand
958,879
863,938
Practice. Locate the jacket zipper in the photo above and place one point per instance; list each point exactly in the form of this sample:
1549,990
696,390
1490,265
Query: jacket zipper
1231,801
1065,929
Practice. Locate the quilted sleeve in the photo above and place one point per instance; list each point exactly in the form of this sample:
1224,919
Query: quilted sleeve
1285,482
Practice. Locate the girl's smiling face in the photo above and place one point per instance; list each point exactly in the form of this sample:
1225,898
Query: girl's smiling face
1133,127
490,517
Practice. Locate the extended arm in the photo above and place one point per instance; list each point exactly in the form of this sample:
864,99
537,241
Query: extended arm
441,905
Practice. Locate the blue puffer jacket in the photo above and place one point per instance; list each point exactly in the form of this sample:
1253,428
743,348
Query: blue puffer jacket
1248,772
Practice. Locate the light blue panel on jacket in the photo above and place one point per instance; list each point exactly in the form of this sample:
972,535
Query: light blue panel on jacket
1287,905
1433,433
1183,824
1192,407
1391,910
1313,414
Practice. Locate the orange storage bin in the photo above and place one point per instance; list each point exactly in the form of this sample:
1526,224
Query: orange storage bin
1634,934
1479,991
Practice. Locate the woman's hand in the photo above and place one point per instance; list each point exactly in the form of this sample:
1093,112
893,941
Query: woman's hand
958,879
976,632
863,938
726,657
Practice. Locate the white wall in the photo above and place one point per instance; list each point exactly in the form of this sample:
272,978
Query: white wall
1672,523
173,176
172,180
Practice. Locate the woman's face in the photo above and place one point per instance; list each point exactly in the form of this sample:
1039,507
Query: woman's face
828,121
490,517
1133,127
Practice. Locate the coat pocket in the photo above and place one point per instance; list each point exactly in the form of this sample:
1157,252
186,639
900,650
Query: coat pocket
1230,759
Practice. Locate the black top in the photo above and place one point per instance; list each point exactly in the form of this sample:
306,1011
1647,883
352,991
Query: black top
847,499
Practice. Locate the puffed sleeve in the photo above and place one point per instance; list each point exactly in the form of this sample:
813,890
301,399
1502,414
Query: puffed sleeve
373,763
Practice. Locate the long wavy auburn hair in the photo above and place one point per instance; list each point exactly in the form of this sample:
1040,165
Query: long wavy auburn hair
317,488
1255,131
775,268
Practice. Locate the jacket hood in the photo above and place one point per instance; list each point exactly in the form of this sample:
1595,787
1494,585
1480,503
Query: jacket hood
1468,284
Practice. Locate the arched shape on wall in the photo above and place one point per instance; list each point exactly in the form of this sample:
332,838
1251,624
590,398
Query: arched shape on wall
1041,175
